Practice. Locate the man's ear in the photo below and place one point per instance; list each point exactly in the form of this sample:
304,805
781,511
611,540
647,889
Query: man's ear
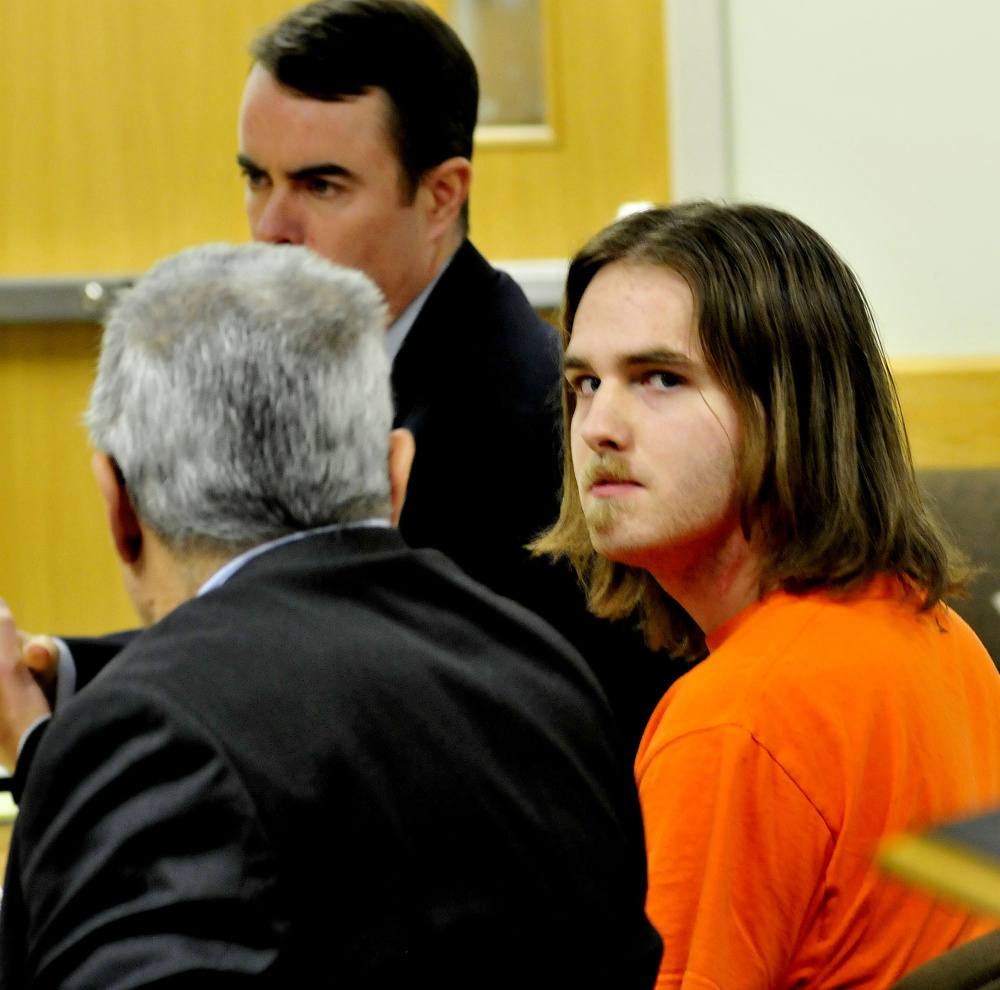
447,188
122,519
402,447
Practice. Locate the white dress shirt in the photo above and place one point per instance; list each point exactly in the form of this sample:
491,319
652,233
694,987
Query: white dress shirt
403,323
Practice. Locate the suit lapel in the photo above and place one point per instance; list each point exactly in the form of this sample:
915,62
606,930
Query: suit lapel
438,343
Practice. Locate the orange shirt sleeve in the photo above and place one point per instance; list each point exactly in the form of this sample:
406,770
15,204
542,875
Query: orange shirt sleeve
734,849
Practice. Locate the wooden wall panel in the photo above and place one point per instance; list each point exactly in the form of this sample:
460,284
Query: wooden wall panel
608,99
57,569
118,131
951,407
117,147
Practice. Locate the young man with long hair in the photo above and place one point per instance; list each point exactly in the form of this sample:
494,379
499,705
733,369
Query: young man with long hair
737,475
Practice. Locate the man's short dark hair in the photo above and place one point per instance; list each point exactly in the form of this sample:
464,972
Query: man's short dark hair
825,465
333,49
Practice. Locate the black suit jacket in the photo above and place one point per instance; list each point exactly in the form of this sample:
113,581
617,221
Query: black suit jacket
349,766
477,381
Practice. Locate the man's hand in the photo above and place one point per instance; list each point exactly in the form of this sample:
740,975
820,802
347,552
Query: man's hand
22,699
41,656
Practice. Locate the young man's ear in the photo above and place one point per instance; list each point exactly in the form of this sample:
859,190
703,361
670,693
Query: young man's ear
122,519
401,450
446,188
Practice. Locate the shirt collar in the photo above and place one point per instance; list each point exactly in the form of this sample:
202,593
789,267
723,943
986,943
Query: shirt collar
224,573
401,326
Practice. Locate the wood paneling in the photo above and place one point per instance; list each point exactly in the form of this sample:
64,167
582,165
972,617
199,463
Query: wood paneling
608,110
117,147
57,569
118,130
951,407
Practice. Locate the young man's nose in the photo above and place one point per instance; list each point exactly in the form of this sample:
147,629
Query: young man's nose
606,423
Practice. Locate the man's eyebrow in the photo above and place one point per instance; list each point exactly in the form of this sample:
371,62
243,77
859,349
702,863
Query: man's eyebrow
657,357
571,362
325,169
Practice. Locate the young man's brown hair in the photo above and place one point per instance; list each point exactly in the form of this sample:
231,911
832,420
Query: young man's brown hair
826,479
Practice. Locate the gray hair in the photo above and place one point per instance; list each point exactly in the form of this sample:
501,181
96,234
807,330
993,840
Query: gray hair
244,394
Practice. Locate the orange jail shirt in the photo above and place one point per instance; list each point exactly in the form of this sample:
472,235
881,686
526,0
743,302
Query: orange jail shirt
769,773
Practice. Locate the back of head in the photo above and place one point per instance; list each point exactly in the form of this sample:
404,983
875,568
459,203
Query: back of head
333,49
826,483
243,394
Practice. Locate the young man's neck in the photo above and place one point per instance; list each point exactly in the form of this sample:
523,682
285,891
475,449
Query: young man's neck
713,585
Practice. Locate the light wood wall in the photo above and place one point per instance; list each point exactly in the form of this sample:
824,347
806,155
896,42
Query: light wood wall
57,569
951,407
118,130
117,147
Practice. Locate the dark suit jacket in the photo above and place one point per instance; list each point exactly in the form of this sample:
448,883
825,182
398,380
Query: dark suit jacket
477,381
349,766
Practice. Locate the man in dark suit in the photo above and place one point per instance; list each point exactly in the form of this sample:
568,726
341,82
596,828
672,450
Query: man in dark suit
331,759
356,137
356,134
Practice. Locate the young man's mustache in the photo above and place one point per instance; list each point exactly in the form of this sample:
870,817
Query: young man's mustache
606,467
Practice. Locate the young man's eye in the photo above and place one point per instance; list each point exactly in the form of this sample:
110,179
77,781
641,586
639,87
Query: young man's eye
663,379
586,385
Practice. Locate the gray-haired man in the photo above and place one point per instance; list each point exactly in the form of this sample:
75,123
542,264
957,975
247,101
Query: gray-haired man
440,805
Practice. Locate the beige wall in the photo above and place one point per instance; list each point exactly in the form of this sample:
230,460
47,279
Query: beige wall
872,120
